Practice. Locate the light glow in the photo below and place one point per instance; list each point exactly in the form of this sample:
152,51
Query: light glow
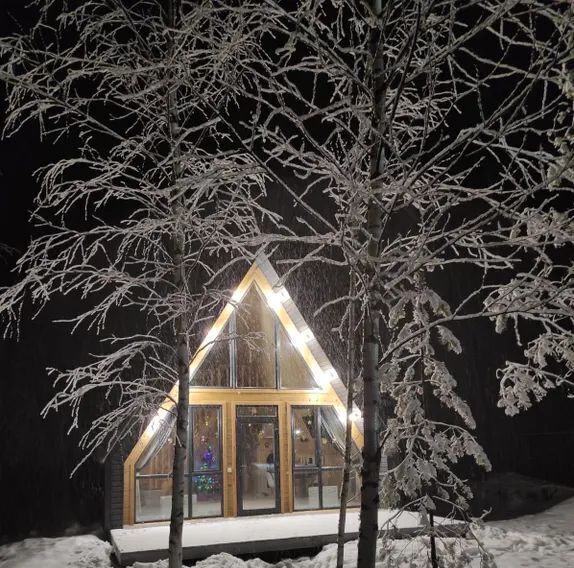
342,414
306,335
329,375
238,295
157,420
325,377
273,301
212,334
355,415
282,295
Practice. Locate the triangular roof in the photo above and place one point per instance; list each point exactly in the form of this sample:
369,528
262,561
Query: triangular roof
264,275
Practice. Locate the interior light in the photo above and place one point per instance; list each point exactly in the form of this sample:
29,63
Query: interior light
297,432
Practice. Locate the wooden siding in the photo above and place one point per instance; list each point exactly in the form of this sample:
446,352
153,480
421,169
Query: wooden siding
114,492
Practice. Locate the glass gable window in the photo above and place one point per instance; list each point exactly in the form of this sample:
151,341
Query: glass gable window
215,369
254,351
318,459
153,482
203,469
255,343
294,372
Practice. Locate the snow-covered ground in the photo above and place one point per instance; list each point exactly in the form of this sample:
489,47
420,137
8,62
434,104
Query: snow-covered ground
545,540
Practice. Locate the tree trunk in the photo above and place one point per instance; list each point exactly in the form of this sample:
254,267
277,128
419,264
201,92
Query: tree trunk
369,528
181,331
348,432
178,480
420,281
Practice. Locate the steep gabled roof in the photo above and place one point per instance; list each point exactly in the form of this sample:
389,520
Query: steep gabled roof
264,275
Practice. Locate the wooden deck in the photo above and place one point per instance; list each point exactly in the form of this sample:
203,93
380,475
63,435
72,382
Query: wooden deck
249,535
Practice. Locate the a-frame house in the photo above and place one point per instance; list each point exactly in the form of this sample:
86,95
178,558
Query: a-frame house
267,415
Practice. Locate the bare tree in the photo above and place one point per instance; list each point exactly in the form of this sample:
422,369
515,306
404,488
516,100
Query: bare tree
439,135
149,206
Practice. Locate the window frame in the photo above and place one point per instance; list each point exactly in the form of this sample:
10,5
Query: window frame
318,467
192,472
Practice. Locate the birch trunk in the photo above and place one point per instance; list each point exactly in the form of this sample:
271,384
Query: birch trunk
368,527
181,343
348,432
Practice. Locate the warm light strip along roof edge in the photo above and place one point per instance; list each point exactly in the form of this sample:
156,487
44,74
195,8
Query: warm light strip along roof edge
337,385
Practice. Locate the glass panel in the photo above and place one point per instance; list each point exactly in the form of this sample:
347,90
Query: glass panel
304,429
332,438
153,498
354,491
206,442
332,479
162,461
256,411
206,495
257,465
164,429
293,371
214,369
305,490
255,342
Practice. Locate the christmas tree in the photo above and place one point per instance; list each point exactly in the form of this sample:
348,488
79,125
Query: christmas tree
207,483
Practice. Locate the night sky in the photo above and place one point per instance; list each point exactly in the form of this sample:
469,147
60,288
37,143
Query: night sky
37,495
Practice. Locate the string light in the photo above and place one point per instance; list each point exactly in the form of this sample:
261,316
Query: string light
238,295
275,299
211,335
329,375
306,335
355,415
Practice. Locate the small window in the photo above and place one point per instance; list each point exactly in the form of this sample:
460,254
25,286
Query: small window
256,411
